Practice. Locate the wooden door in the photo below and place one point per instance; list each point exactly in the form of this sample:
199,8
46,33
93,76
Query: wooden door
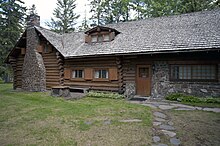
143,80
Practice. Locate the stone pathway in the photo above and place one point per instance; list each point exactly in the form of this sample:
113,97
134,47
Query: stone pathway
163,127
166,105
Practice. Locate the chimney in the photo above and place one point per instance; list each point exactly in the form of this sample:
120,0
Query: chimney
33,69
33,20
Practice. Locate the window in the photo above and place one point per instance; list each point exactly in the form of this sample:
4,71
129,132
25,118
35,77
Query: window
193,72
46,48
100,38
94,38
144,72
106,38
101,74
78,73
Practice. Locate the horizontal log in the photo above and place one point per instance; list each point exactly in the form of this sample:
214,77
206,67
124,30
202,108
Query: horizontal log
91,84
105,89
51,65
50,75
52,71
50,83
52,80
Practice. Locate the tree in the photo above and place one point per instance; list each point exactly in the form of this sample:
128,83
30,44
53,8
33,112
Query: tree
65,17
32,10
12,19
97,8
109,11
158,8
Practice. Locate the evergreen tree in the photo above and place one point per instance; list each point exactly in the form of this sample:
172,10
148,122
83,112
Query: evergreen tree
12,19
97,8
65,17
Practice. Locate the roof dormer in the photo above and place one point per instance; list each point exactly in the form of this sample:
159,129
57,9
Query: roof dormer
100,34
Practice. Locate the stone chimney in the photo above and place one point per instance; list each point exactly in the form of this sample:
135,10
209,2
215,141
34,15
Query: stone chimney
33,70
33,20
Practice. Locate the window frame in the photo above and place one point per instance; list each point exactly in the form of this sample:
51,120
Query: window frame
77,78
100,79
46,49
102,34
171,77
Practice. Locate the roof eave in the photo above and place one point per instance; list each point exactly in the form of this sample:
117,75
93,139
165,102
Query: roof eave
13,49
146,53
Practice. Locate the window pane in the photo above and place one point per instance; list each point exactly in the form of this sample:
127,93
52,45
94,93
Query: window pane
78,74
81,74
106,37
144,72
194,72
100,38
104,74
46,48
101,74
94,38
175,72
74,74
97,74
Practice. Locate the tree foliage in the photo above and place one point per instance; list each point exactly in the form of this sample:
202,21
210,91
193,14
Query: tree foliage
114,11
12,19
65,18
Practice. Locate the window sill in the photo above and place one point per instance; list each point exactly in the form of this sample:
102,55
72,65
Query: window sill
100,80
77,79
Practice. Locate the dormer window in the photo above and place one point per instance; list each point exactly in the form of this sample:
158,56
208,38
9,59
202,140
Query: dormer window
100,34
106,37
94,38
100,38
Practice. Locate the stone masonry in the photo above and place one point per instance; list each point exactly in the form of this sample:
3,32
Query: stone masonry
33,70
161,85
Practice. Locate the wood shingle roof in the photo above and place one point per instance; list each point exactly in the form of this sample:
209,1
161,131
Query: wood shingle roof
187,32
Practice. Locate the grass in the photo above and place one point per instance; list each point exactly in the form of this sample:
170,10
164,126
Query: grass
197,128
39,119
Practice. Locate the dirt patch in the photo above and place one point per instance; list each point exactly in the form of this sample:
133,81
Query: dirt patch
197,128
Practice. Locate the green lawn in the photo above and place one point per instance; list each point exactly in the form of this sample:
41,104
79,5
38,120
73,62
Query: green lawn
39,119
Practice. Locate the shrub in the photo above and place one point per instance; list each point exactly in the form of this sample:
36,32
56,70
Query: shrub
192,99
212,100
109,95
174,97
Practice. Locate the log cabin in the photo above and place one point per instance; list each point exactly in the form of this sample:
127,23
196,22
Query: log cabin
152,57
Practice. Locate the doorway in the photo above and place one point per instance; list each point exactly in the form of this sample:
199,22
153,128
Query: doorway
143,80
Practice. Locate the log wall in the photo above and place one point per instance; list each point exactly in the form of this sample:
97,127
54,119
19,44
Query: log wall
52,68
18,71
88,65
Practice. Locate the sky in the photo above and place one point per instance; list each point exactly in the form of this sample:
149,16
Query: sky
45,9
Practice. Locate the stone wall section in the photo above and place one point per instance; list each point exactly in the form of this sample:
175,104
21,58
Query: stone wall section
162,86
33,70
